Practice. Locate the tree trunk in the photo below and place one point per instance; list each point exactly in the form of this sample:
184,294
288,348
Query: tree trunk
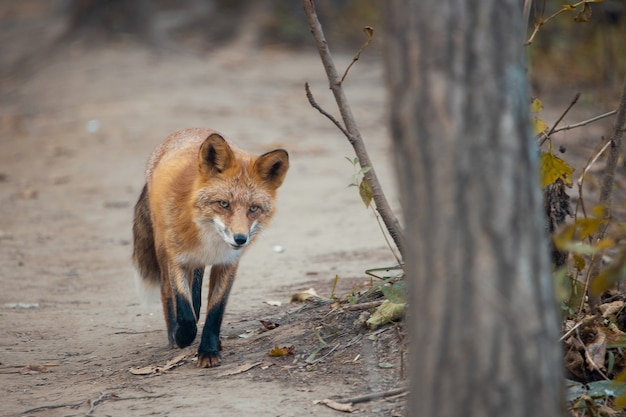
483,320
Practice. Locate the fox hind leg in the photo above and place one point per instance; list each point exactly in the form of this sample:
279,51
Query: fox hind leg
196,291
169,311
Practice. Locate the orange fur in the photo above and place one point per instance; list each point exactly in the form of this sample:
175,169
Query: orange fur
204,202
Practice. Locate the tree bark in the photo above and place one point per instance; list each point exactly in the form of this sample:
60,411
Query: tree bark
483,319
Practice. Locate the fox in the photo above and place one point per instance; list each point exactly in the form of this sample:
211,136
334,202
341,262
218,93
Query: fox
203,204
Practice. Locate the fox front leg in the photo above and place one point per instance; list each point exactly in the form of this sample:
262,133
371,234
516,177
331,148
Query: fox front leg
221,281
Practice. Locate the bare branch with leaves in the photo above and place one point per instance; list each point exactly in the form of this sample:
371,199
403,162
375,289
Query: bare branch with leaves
350,129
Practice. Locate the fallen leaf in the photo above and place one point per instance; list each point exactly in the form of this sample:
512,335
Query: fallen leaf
304,295
595,352
34,369
268,325
146,370
156,369
614,307
385,313
385,365
274,303
282,351
239,369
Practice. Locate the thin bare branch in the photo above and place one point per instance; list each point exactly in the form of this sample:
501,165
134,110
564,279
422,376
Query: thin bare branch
542,21
551,131
586,122
329,116
369,32
351,130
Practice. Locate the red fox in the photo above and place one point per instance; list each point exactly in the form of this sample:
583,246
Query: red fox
204,202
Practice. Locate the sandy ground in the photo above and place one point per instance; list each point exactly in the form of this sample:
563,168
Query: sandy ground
74,139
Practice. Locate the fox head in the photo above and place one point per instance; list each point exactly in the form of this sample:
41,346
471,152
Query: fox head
235,190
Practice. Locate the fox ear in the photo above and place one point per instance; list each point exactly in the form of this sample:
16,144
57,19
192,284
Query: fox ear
215,155
272,167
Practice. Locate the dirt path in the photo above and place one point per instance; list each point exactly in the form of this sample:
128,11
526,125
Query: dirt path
73,142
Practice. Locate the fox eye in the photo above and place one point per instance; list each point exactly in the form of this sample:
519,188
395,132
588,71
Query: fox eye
253,208
224,204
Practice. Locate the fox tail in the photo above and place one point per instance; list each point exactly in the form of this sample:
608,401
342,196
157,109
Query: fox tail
144,252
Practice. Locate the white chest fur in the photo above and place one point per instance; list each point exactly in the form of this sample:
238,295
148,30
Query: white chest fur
212,250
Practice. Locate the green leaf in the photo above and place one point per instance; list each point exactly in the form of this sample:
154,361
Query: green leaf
597,390
364,170
553,168
365,190
579,248
385,365
395,293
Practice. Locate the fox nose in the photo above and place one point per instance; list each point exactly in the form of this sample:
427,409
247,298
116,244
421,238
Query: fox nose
240,239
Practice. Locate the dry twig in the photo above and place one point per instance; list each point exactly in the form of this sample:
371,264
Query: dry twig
351,130
376,395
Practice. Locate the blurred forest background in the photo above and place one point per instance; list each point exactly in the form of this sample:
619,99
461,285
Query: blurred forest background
587,55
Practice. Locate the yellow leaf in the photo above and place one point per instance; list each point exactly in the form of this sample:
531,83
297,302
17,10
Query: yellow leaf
365,190
579,262
539,125
282,351
535,105
598,211
606,243
611,275
585,15
552,168
568,7
588,226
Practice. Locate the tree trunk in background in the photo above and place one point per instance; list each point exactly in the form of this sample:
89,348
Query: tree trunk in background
483,319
